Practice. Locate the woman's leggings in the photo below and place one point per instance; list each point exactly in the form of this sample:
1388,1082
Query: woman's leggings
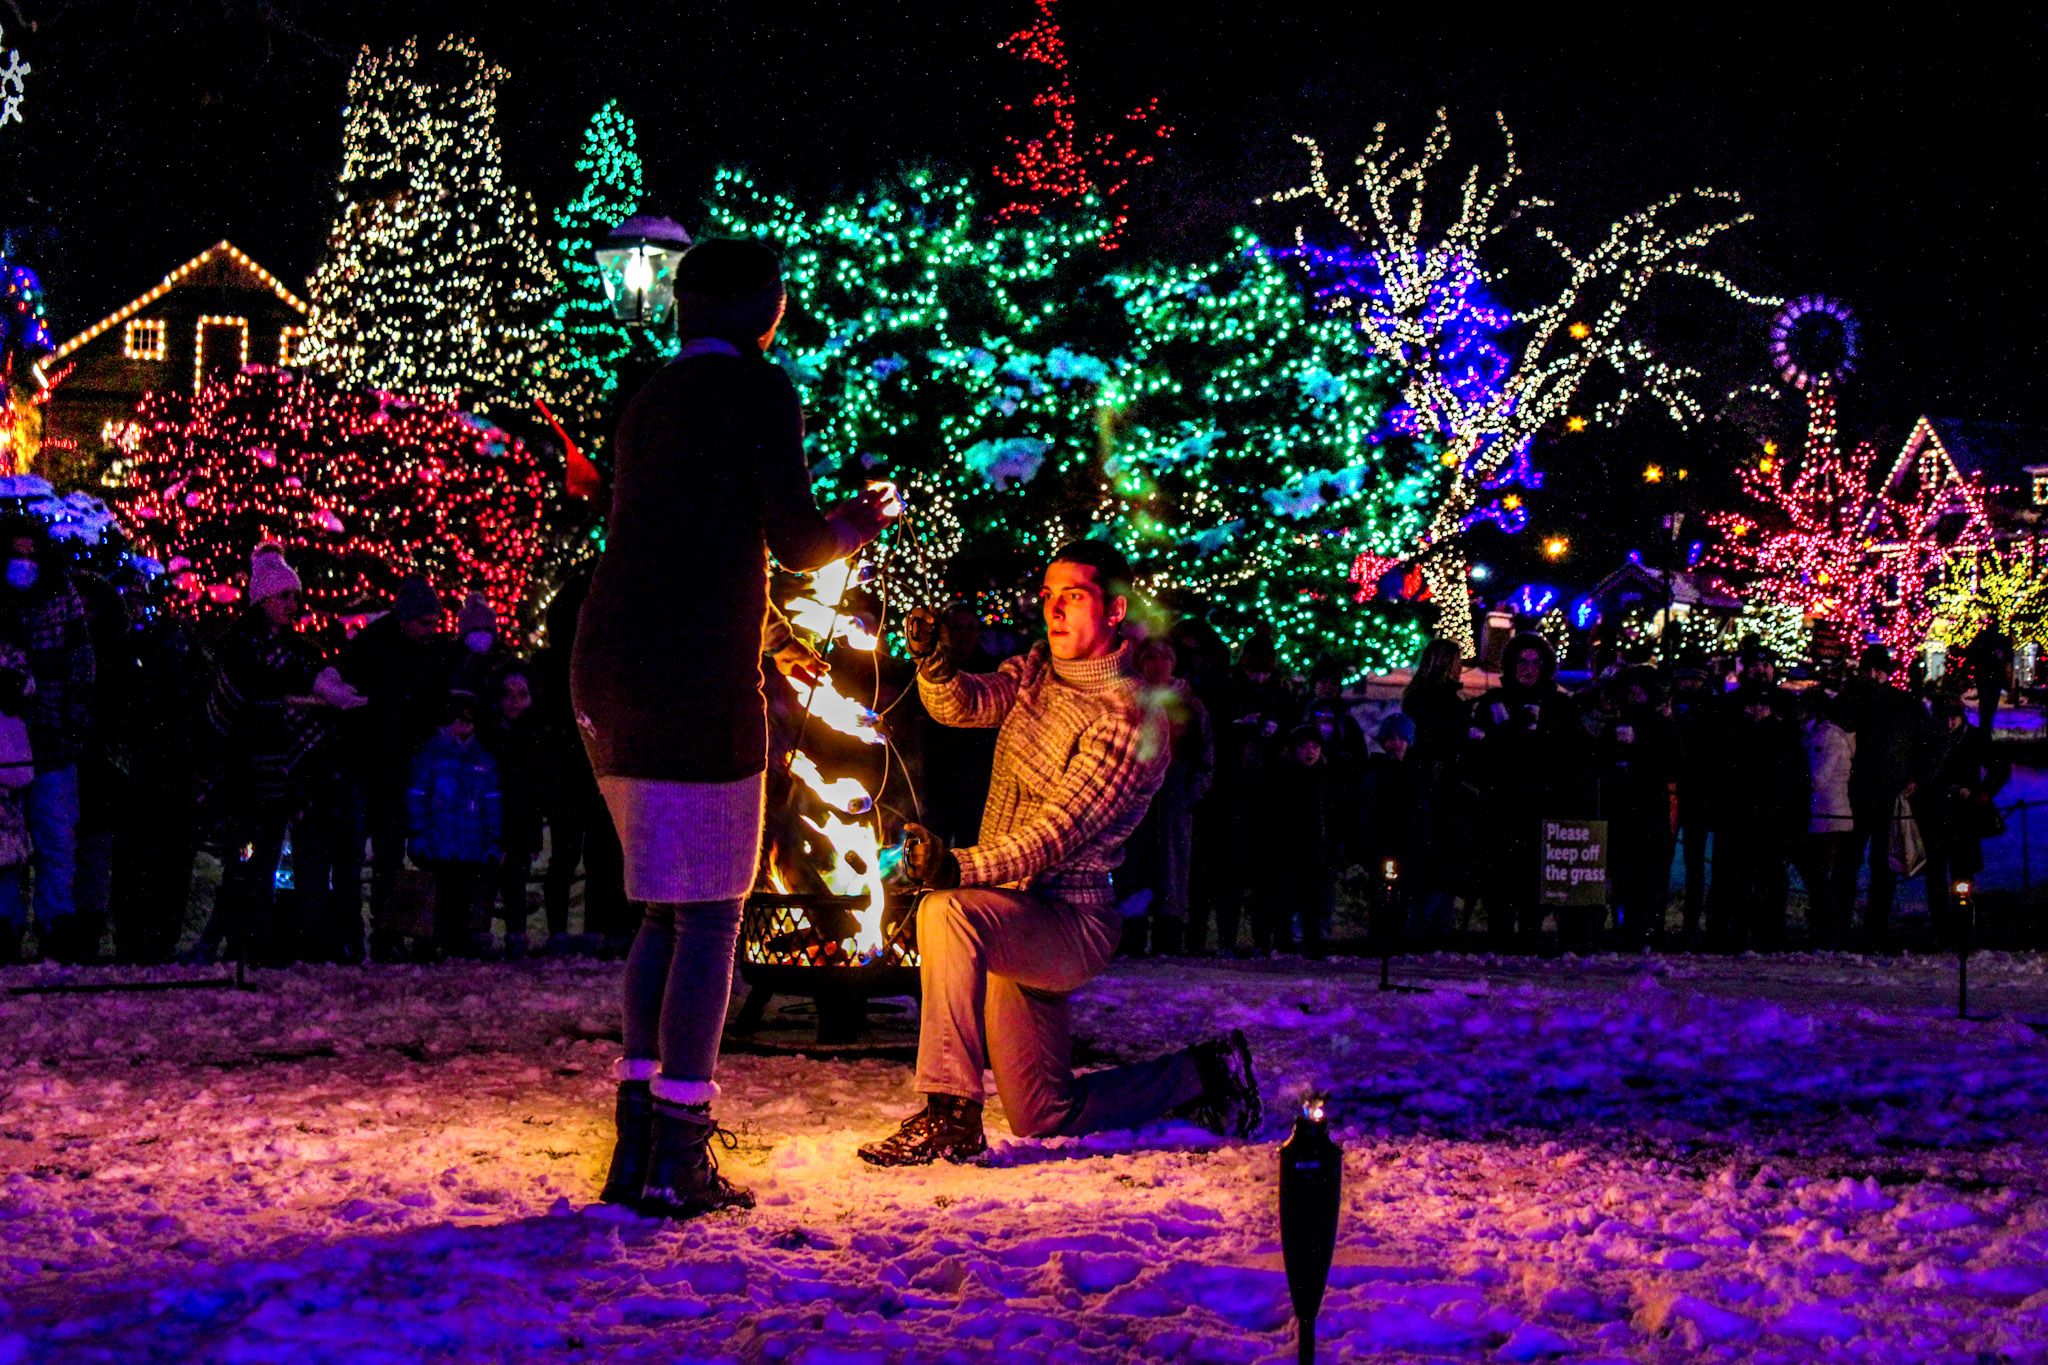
678,980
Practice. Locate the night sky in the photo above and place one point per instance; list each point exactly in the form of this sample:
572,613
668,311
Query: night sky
1894,164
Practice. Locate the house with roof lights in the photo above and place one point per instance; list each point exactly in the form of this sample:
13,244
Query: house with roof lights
209,317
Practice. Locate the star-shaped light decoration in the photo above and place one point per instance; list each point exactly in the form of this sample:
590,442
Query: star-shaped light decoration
13,84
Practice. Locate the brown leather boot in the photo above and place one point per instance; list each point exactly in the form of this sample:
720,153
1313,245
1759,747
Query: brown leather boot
947,1127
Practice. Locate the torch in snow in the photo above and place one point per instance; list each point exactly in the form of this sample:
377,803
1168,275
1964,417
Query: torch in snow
1311,1185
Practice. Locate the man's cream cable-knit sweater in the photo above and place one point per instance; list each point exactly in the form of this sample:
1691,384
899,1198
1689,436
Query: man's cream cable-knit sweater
1076,764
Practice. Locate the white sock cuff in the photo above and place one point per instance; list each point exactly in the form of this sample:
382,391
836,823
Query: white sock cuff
684,1092
635,1069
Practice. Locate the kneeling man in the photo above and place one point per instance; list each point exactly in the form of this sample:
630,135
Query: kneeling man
1018,921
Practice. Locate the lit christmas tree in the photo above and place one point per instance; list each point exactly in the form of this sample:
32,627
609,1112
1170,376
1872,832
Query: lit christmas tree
1426,263
360,487
1071,160
2008,586
1227,433
434,280
589,344
24,335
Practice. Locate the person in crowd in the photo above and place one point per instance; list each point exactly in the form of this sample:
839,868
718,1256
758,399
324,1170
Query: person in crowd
1307,815
1218,878
270,713
1400,848
455,824
17,770
1433,700
525,753
1162,848
1957,809
105,784
1526,755
1989,657
1893,740
157,837
580,829
1761,817
1078,760
1828,858
1344,747
1637,750
398,662
479,656
667,688
39,605
1696,717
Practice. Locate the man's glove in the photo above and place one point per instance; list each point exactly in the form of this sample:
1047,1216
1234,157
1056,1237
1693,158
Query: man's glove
924,635
927,859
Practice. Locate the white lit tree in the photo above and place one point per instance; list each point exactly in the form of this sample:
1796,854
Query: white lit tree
1427,266
434,279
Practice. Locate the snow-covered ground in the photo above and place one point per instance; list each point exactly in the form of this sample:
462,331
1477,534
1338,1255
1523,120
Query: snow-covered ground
1649,1159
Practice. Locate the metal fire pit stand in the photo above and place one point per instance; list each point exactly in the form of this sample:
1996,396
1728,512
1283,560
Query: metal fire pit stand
785,951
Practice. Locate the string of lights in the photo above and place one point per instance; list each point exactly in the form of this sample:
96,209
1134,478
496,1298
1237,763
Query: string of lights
1223,428
1424,260
361,487
434,280
1066,163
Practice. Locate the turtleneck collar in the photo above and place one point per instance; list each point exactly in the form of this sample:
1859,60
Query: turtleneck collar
707,346
1090,675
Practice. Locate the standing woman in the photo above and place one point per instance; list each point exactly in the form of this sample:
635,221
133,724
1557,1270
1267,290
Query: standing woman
666,685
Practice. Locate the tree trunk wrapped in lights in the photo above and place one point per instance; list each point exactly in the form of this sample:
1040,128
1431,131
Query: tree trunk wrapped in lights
360,487
1581,329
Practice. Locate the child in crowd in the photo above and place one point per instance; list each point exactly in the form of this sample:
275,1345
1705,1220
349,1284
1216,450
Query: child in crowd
1305,820
455,822
525,755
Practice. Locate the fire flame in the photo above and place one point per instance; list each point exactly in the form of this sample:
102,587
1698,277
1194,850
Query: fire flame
856,868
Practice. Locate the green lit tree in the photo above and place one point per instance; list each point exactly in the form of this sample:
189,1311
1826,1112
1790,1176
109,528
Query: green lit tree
589,344
1209,418
434,279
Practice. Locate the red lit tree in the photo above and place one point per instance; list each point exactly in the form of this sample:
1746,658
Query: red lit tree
1070,159
1799,542
361,487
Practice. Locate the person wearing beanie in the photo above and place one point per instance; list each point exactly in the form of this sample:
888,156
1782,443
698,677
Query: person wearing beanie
399,663
40,606
479,658
666,684
274,738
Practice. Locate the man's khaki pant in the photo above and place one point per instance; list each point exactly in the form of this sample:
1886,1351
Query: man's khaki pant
998,968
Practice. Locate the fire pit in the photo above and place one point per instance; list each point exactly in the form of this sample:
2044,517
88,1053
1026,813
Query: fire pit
806,945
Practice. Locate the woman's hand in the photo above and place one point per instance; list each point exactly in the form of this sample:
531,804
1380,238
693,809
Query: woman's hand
800,663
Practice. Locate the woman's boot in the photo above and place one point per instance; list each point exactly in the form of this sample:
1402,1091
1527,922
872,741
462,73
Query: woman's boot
682,1170
635,1129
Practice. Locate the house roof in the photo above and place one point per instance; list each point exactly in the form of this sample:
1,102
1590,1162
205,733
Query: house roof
223,250
1927,491
1689,588
2003,452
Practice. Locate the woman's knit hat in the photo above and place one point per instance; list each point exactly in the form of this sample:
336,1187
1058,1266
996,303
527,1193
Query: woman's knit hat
728,289
269,574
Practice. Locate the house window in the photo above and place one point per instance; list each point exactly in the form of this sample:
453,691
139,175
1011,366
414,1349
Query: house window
145,339
288,343
2041,487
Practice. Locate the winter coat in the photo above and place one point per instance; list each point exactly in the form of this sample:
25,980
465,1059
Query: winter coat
1192,743
1966,774
1830,756
1763,783
1398,808
528,766
710,479
1304,819
1894,740
50,620
270,754
405,682
1441,715
1636,757
454,808
1526,750
15,700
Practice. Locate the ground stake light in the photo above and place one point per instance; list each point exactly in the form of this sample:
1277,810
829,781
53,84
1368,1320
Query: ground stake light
1963,898
1311,1189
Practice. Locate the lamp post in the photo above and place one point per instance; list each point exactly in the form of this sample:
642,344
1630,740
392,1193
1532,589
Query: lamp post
1963,899
637,264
